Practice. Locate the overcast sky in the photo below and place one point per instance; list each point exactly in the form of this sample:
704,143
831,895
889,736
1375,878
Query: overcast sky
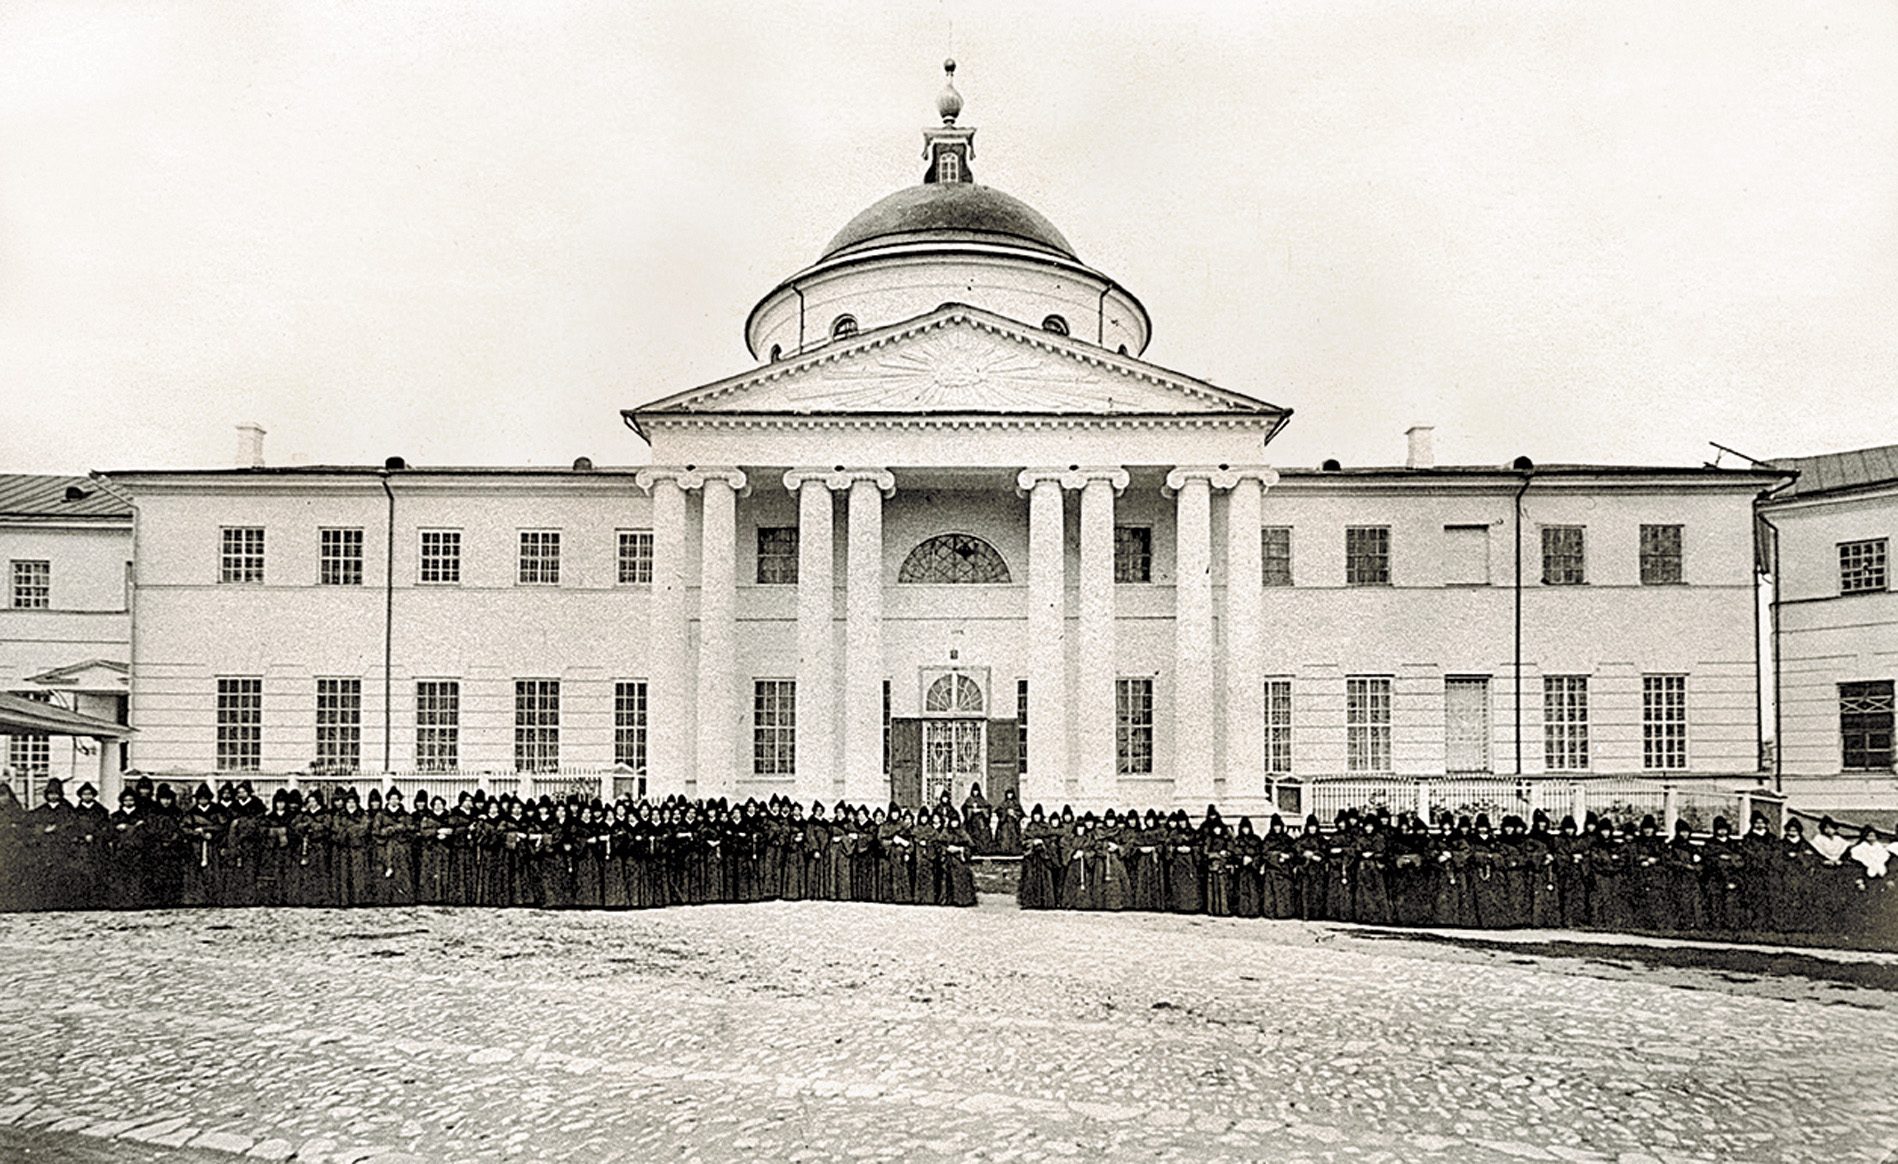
1608,230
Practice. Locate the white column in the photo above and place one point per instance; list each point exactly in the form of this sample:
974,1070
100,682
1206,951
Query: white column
718,712
1243,764
816,654
1095,759
668,702
864,781
1193,711
1047,646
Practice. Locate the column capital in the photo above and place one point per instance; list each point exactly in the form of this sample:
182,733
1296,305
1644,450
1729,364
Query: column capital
1074,477
840,479
1219,476
690,477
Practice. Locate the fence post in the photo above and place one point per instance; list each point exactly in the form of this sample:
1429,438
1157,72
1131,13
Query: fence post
606,786
1670,809
1423,801
1578,804
1745,822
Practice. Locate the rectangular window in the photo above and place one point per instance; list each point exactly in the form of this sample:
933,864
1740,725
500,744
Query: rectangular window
1862,566
629,724
1466,724
1367,723
1865,725
1021,726
1367,555
1133,743
1278,727
1565,723
1660,555
240,724
774,727
635,557
30,757
777,555
540,557
339,557
241,553
1133,553
536,725
437,725
32,585
1466,555
1663,721
1275,555
338,725
441,556
1562,563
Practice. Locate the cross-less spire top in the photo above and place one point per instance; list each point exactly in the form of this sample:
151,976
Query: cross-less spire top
950,146
949,102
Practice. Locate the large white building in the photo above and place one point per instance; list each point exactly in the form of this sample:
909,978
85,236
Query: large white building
952,528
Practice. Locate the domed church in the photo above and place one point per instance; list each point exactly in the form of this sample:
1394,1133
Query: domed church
950,530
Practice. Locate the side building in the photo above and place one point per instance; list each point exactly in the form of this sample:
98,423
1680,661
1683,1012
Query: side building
1836,628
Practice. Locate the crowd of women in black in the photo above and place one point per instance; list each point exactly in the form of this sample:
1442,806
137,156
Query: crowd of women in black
229,848
1375,869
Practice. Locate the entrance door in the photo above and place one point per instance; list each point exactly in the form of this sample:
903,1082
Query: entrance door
952,758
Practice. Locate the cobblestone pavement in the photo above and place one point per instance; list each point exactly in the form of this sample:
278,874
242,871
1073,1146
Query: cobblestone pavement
816,1031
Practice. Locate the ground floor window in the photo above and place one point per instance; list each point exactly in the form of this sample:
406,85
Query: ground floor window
1133,735
536,725
240,724
1565,723
774,727
1367,721
30,757
629,724
1663,721
1865,725
437,725
1278,727
338,725
1466,724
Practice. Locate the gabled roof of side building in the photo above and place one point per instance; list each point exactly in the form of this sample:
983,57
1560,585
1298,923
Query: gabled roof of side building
33,497
1840,472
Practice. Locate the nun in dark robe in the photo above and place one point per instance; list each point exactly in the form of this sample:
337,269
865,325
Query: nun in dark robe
1278,862
1488,884
1246,855
1113,887
1408,878
1370,889
1568,855
1008,825
1790,882
1309,872
615,858
795,878
976,814
819,884
1722,906
1512,867
1681,863
899,853
1144,851
1759,850
1449,854
958,850
860,850
276,868
434,850
1039,863
92,837
243,846
14,888
1077,888
1545,900
488,834
308,875
589,862
1647,877
518,836
1609,878
352,857
1185,872
393,835
203,827
1217,844
127,855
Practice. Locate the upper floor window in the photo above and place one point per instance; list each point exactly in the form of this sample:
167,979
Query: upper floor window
1133,553
1861,566
339,559
1660,555
540,557
32,585
777,555
1367,555
635,556
441,556
1055,324
1275,555
843,327
1562,560
948,166
241,553
953,558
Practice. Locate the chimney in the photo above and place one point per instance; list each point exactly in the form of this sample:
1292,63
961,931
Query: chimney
1423,447
250,445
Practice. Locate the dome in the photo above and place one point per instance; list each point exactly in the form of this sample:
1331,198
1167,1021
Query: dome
951,212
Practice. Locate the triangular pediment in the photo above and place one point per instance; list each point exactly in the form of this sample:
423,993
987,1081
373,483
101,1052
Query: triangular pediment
93,675
959,360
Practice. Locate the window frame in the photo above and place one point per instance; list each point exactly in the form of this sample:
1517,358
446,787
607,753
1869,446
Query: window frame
1562,566
783,556
539,557
1021,727
1657,561
22,583
1133,564
536,725
1368,701
437,725
240,723
1277,712
1368,563
1133,726
339,568
1862,736
1565,724
774,728
631,721
338,726
441,557
635,564
1864,566
239,562
1271,554
1664,723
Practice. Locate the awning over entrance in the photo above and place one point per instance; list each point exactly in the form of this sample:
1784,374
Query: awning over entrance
27,717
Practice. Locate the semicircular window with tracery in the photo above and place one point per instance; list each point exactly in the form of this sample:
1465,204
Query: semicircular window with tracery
953,558
953,695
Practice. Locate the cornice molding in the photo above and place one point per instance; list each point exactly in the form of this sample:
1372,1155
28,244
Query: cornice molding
840,479
690,477
1219,476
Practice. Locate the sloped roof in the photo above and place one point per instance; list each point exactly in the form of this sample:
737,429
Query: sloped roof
1838,472
31,497
29,717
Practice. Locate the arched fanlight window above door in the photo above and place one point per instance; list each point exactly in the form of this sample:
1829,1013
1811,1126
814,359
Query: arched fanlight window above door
953,694
953,558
